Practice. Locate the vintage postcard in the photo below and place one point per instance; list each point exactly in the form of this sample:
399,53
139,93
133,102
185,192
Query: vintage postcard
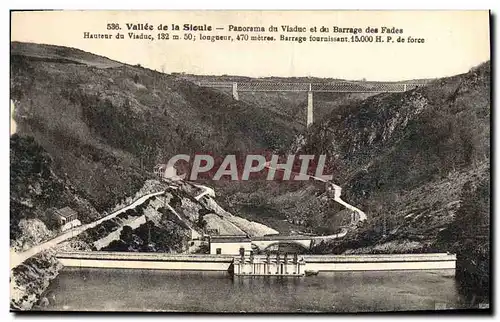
250,161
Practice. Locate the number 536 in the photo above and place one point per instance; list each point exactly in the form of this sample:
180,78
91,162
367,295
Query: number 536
113,26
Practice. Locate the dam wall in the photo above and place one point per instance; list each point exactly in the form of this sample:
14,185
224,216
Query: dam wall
385,262
206,262
192,262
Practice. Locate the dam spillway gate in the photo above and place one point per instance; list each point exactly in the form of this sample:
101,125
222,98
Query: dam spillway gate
268,266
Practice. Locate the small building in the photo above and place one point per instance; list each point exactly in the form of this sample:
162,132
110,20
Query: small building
159,170
65,215
162,171
230,245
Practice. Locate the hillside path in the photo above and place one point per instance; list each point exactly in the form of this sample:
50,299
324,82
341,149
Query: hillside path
337,191
17,258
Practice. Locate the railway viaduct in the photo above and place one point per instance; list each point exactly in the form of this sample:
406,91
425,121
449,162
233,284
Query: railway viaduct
310,88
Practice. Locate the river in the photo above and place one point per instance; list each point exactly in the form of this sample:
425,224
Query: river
151,290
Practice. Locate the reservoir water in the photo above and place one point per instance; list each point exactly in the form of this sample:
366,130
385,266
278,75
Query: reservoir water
154,290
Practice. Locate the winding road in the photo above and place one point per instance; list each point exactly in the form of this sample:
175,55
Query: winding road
17,258
337,191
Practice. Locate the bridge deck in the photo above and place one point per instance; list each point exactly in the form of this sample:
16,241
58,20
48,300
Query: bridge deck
281,237
337,87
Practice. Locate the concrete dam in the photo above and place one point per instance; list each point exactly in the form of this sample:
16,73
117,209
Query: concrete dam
211,262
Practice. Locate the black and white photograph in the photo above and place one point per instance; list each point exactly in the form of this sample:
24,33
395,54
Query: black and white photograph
258,161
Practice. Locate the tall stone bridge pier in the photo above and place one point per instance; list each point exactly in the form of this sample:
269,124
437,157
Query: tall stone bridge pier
310,88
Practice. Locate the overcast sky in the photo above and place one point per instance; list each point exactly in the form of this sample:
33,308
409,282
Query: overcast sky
455,41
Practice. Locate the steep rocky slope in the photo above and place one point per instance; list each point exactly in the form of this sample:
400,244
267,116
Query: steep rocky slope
36,190
106,124
409,154
418,163
29,280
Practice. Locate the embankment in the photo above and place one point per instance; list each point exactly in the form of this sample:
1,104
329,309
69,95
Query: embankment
31,278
